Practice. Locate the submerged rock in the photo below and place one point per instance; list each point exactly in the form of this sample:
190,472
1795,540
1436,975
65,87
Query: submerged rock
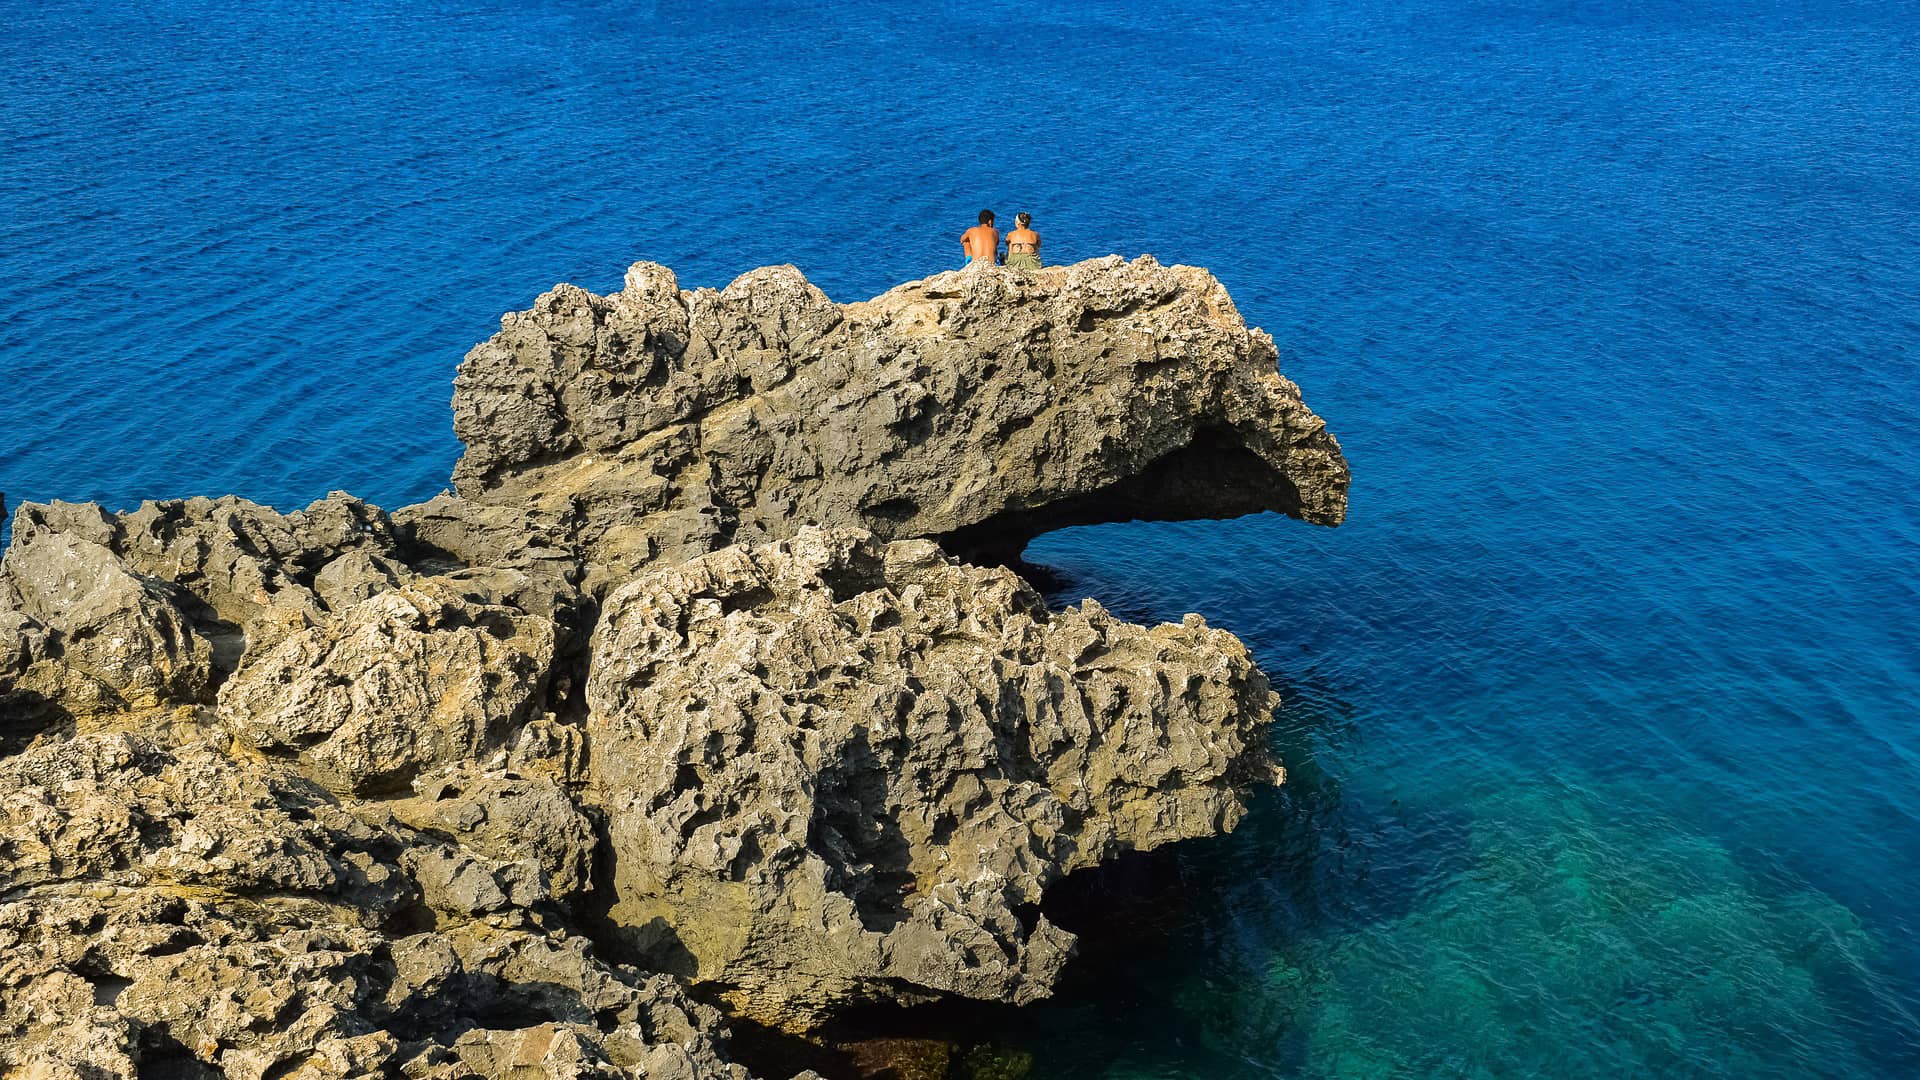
681,695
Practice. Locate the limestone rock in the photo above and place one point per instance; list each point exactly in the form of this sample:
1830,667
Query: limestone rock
167,907
130,632
122,810
151,609
137,982
332,794
839,770
509,537
981,406
36,693
510,817
412,678
22,641
252,566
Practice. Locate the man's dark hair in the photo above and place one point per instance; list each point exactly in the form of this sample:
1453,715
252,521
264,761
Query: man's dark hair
986,217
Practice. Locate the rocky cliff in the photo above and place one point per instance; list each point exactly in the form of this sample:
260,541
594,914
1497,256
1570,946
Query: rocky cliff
703,691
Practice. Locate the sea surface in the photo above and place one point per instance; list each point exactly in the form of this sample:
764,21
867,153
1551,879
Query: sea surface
1603,707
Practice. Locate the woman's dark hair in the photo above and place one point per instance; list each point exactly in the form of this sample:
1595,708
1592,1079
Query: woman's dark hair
1023,220
986,217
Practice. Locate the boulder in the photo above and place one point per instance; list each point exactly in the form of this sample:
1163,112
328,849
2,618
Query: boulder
74,599
415,677
839,770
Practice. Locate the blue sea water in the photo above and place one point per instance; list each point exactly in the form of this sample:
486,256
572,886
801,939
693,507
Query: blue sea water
1601,708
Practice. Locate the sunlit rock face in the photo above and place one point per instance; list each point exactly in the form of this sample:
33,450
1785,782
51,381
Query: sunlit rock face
702,685
983,406
837,769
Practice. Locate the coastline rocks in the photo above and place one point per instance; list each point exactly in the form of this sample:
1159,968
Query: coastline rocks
156,983
414,677
512,818
252,567
687,673
124,811
840,770
981,407
103,614
169,906
508,537
22,642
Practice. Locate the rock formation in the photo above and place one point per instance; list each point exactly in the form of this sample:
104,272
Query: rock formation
985,408
686,696
837,769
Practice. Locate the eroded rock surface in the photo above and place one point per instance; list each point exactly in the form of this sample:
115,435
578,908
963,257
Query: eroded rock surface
253,568
413,677
985,407
104,614
519,782
837,769
129,633
176,905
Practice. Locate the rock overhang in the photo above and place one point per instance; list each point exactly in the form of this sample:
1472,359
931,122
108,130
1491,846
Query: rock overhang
983,406
297,739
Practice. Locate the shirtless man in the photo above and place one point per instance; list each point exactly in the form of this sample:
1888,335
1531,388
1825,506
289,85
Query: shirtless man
1023,244
982,242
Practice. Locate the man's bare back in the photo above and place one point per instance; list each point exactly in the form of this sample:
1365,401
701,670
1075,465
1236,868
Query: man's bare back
981,242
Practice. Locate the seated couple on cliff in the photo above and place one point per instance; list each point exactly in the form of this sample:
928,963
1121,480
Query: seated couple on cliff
982,243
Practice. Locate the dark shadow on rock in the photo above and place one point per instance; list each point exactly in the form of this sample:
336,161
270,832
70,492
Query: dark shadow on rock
767,1051
873,1055
651,946
26,715
1212,477
657,945
163,1057
868,857
475,1000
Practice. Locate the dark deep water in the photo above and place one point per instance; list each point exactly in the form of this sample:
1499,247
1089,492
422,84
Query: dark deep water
1601,707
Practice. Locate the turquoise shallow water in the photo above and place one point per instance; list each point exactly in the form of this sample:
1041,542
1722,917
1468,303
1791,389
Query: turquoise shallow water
1601,706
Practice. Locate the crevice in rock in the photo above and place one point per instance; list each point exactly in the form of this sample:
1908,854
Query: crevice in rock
163,1057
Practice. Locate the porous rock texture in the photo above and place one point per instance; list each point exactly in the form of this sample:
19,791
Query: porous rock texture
837,769
689,696
984,406
416,676
181,906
